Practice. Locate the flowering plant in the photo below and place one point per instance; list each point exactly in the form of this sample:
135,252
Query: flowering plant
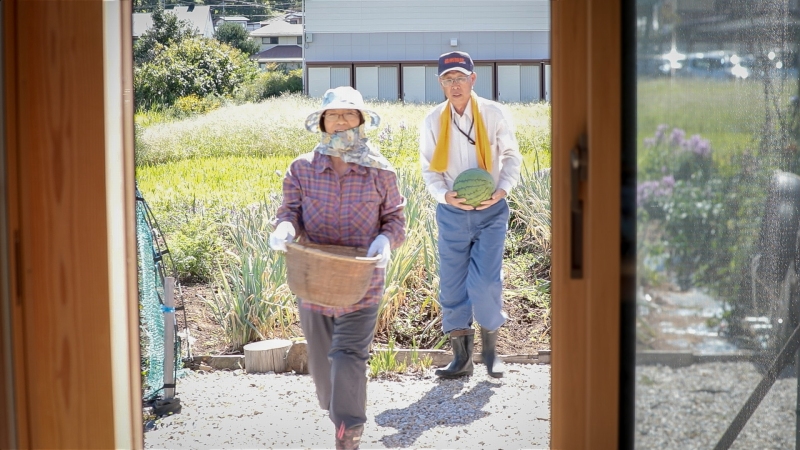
681,191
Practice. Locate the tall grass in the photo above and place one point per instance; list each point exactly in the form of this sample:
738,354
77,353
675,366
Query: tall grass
253,301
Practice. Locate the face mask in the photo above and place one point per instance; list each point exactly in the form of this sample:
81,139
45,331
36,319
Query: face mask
352,146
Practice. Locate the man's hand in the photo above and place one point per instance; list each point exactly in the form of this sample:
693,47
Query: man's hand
451,197
496,197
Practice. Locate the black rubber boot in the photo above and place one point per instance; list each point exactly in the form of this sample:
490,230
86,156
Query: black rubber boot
462,341
488,343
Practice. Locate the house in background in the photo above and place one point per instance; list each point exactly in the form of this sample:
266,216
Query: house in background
240,20
281,42
388,50
198,15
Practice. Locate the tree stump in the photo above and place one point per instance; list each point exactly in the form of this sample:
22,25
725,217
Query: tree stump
266,356
297,358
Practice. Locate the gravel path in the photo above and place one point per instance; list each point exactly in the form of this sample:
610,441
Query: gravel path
233,409
691,407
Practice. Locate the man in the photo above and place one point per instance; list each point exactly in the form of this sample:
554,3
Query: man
464,132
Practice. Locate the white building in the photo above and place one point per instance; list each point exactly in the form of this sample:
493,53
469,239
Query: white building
281,42
388,50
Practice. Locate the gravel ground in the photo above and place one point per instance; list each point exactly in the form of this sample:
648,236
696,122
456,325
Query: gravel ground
684,408
233,409
691,407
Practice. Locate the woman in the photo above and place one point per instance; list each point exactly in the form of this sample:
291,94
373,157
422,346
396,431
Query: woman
344,192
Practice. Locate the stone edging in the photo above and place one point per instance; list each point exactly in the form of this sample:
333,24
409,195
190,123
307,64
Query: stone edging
439,358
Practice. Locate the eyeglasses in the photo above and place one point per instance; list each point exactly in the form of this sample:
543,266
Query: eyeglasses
447,82
349,116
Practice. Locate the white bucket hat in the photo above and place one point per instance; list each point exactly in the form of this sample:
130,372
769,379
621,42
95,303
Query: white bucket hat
342,97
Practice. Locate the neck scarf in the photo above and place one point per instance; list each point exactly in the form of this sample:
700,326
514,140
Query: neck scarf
440,153
352,146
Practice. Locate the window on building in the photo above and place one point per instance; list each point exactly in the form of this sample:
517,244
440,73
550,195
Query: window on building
299,40
269,40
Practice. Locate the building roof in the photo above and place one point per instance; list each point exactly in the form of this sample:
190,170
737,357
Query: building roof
141,23
280,52
278,28
234,18
199,17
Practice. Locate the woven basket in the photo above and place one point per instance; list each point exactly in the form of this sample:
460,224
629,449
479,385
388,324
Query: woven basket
328,275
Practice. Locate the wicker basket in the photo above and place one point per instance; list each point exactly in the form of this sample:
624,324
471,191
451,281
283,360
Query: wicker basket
328,275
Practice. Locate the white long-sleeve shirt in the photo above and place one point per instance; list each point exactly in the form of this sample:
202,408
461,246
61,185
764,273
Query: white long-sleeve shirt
506,158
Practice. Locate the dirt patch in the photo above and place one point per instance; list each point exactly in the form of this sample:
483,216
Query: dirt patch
526,332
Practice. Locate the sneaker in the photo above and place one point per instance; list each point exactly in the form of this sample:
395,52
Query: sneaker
350,438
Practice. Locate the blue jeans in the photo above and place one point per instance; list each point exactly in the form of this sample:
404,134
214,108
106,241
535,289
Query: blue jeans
471,247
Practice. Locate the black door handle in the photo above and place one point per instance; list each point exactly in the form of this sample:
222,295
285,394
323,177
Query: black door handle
578,160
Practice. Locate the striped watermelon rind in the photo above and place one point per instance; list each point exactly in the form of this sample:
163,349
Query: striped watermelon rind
474,185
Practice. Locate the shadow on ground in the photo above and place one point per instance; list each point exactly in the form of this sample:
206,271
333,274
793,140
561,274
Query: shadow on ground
429,412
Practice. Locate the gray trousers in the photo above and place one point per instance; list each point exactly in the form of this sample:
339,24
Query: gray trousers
338,350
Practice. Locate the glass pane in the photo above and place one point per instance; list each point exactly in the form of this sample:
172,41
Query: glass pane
718,208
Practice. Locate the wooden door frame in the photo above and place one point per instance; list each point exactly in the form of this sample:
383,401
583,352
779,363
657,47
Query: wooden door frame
69,252
63,136
586,97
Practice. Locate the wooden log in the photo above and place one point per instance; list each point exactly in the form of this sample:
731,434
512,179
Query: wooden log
266,356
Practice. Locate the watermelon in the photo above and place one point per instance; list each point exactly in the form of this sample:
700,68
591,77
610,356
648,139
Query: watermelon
474,185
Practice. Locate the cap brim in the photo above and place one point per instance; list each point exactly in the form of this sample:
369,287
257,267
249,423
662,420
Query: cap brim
371,118
458,69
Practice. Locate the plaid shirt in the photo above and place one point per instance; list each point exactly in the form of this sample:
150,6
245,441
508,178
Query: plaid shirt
350,210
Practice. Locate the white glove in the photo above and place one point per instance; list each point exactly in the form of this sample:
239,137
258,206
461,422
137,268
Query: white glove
380,247
283,233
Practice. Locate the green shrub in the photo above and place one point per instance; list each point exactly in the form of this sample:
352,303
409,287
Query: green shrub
270,83
195,248
198,66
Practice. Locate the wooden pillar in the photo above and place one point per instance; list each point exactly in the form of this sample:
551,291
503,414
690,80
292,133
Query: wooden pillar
70,236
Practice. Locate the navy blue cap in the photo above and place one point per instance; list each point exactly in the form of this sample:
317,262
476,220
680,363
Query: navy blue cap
460,61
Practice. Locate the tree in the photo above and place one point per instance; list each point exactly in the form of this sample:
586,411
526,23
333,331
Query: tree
236,36
166,30
194,66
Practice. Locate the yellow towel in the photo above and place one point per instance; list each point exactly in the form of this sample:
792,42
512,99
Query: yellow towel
482,148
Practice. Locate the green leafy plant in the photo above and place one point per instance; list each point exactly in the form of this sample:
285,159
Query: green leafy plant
384,362
253,301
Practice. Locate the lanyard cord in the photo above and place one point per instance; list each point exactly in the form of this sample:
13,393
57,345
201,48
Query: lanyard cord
466,135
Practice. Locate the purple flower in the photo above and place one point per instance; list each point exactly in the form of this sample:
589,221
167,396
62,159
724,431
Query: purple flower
649,142
668,181
703,148
677,137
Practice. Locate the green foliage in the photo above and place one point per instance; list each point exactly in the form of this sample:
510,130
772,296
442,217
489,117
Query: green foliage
192,105
253,301
270,83
166,30
195,248
237,37
193,66
385,362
